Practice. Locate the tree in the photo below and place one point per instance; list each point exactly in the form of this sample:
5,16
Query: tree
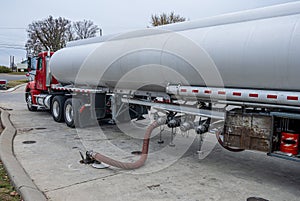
164,18
85,29
49,34
53,34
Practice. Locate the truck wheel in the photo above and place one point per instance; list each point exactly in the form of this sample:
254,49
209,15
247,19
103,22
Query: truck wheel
30,105
57,108
71,112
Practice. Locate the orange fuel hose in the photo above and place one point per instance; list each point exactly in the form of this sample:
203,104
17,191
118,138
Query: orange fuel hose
129,166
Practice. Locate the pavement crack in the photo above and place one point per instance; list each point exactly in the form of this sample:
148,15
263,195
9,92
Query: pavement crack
25,186
83,182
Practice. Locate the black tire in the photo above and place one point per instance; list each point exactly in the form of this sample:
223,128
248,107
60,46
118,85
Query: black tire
57,108
71,112
30,105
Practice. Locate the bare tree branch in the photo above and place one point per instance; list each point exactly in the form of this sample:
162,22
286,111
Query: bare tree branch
85,29
162,19
47,34
53,34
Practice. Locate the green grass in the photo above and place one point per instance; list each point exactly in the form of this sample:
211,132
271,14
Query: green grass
14,83
7,191
17,73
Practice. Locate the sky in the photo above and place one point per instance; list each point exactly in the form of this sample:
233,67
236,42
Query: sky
112,16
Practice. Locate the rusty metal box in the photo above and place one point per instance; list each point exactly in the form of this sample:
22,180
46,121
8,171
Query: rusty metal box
250,131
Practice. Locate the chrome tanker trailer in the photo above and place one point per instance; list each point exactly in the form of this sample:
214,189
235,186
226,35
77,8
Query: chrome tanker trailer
241,69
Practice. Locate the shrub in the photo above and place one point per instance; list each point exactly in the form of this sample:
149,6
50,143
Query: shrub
4,69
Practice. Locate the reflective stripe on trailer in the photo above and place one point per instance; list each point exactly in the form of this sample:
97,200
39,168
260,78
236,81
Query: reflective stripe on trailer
78,90
242,95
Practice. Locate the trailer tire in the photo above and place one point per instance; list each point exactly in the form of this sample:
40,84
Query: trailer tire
71,112
30,105
57,108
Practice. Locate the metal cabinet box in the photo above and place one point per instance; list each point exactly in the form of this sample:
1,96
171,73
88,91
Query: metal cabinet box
248,131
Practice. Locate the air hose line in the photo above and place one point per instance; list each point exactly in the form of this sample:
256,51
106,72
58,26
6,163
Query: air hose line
218,135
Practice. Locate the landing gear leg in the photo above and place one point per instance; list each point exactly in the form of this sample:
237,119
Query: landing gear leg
160,141
201,139
173,133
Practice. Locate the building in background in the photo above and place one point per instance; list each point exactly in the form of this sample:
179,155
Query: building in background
22,66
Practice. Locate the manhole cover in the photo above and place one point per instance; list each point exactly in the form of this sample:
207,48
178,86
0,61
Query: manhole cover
29,142
25,130
136,152
256,199
40,128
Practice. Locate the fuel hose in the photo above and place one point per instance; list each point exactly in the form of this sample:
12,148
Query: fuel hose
125,165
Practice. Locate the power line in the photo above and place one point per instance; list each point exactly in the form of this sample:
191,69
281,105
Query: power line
9,28
12,47
11,44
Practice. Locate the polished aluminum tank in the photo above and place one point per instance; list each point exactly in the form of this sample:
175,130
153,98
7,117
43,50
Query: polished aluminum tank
254,49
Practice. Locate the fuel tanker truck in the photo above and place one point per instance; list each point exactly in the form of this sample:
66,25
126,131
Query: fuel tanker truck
241,69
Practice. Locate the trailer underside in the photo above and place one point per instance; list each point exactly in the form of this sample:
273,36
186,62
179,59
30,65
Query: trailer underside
241,119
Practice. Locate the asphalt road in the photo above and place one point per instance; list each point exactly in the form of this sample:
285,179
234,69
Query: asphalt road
170,173
10,77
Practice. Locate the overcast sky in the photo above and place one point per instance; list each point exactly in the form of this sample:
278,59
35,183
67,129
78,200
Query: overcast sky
111,16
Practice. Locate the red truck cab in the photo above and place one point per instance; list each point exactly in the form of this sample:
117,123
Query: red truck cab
40,78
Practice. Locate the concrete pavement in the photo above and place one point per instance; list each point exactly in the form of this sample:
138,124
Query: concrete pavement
16,173
51,160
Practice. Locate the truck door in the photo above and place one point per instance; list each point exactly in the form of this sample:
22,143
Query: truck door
40,74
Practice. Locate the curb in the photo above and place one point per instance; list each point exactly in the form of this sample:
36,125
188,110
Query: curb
22,182
13,89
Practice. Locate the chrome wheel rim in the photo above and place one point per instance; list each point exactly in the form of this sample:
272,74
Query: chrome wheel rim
29,101
55,109
69,113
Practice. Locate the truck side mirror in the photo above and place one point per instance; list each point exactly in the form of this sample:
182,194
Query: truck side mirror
28,64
